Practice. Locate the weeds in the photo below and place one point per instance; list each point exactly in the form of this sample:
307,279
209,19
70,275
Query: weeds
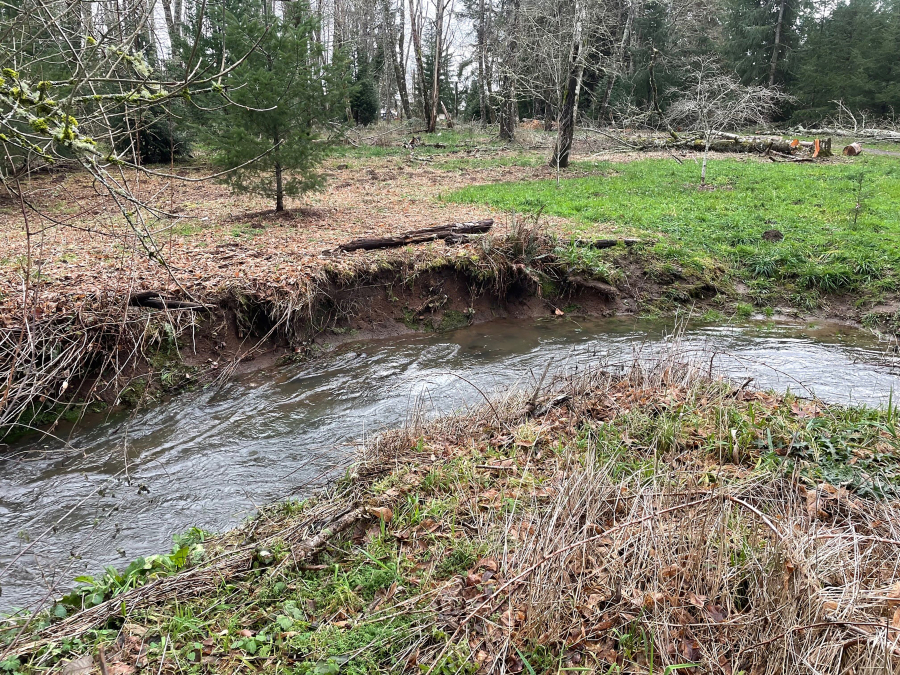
650,522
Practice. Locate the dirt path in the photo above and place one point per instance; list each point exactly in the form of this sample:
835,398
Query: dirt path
874,151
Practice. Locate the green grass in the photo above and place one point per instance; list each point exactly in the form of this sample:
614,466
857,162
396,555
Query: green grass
830,244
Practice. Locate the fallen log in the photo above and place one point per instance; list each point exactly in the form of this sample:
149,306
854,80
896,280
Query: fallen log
599,286
453,234
605,243
872,134
726,142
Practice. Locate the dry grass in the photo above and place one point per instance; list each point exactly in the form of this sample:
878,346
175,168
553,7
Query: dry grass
608,523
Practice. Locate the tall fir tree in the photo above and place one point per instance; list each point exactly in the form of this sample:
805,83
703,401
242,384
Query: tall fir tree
760,38
851,55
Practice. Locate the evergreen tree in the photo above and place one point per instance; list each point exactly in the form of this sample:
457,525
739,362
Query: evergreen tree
852,55
760,38
363,97
283,97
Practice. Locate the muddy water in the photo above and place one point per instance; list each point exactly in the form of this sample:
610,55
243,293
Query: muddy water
123,487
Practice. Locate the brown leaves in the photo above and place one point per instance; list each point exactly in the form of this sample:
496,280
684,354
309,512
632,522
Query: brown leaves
83,665
827,502
383,513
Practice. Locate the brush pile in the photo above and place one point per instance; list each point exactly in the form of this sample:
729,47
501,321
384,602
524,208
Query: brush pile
649,520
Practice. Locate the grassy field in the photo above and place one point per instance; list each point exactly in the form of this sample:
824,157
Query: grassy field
646,523
840,219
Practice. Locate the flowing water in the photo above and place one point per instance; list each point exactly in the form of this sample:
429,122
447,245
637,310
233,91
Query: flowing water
125,485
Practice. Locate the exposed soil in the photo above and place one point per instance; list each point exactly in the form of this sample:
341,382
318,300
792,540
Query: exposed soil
271,291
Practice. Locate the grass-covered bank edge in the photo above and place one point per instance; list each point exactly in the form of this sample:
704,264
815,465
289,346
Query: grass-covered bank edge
816,237
615,522
113,353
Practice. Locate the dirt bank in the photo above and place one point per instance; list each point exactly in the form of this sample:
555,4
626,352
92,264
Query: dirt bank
69,339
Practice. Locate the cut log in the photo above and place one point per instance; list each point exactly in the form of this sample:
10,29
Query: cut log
852,150
454,233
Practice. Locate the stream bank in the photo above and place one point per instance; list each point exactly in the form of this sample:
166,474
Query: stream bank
632,518
124,483
109,353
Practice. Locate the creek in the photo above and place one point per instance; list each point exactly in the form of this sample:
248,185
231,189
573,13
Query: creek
125,484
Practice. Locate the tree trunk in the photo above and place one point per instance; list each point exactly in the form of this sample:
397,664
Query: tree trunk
447,115
420,66
705,157
566,131
509,112
620,58
548,111
773,65
399,75
170,23
440,6
279,187
481,45
177,15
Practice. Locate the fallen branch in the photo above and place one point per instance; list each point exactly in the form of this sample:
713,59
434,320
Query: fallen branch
606,243
453,233
156,301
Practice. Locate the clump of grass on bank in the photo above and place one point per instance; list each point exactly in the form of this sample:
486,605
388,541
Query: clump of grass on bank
839,219
619,524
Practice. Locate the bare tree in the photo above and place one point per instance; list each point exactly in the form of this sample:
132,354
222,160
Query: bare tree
509,106
416,22
440,18
713,101
396,59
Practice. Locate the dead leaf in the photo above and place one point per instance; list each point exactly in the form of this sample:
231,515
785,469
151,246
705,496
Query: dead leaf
80,666
690,649
382,512
135,629
559,312
487,564
893,595
716,612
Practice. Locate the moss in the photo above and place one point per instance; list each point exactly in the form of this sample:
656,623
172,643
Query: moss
549,288
453,319
411,319
38,415
134,393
